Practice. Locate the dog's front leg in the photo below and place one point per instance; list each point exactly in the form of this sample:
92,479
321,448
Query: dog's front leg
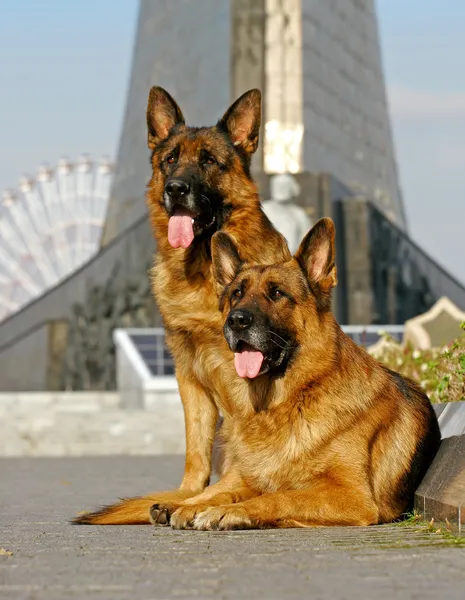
228,490
326,503
200,416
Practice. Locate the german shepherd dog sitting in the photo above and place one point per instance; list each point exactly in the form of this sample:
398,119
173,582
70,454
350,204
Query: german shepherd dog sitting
200,184
321,434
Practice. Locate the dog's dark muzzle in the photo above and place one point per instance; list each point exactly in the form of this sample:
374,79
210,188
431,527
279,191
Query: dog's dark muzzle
180,194
245,330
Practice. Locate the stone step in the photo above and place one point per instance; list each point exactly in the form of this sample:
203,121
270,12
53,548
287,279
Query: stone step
80,430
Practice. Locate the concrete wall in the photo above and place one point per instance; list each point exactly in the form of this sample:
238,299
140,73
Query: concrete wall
17,360
34,361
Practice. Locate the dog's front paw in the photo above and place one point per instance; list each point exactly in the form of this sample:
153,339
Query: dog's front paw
223,518
184,516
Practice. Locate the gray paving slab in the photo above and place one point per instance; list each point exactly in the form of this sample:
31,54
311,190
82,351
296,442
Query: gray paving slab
53,560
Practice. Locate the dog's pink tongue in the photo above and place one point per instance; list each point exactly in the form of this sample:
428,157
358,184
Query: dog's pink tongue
248,363
180,229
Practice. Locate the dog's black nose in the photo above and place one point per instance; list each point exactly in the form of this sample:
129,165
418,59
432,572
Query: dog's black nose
240,319
176,188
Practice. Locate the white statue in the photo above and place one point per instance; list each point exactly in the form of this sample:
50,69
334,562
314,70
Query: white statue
289,219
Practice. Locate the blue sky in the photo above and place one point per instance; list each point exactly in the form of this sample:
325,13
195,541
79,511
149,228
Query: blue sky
64,68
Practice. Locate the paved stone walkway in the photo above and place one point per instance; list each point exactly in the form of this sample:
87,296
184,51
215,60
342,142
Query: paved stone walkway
53,560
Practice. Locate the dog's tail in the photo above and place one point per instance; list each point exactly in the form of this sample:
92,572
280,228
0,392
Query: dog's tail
129,511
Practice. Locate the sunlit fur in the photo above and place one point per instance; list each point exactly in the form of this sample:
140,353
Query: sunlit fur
183,285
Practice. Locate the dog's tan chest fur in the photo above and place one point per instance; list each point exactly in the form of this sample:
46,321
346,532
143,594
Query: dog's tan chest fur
272,455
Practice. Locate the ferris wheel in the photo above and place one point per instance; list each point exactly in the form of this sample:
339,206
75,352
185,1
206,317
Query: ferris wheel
49,227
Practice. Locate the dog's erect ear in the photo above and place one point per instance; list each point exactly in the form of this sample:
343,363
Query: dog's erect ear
162,115
317,254
242,120
226,262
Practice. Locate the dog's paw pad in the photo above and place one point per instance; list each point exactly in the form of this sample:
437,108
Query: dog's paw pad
164,517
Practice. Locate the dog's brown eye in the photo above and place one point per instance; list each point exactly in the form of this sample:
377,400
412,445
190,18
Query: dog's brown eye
276,294
170,159
237,293
209,160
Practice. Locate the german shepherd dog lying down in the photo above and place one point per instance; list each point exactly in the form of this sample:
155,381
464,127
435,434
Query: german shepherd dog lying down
322,434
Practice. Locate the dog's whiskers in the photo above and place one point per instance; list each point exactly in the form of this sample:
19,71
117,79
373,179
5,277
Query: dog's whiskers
286,343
